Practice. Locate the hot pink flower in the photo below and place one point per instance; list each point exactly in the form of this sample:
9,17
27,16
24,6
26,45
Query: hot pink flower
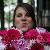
31,34
46,37
13,34
3,34
37,46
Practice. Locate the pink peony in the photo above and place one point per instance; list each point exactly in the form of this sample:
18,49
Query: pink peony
31,34
3,33
9,35
13,34
46,37
37,46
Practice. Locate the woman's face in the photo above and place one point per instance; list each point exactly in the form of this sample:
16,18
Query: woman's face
23,21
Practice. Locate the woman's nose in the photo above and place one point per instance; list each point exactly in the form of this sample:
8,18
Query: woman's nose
24,18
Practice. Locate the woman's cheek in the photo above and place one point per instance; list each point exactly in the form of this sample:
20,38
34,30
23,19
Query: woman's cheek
30,21
17,21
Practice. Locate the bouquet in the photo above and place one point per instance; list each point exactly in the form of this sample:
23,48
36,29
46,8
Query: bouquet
33,39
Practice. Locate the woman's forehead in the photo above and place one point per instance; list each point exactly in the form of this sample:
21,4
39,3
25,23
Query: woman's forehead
21,10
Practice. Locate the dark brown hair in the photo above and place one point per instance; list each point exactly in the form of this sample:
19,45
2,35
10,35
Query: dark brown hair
30,11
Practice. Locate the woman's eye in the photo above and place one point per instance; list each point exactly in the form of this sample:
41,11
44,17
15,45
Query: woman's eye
19,15
27,15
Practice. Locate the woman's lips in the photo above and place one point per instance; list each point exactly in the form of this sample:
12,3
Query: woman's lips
24,24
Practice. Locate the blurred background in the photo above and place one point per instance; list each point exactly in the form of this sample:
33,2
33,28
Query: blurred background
41,7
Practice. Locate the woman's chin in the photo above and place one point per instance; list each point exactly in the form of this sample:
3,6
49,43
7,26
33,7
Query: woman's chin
24,29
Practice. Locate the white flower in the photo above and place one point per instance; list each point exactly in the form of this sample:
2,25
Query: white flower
40,30
2,46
